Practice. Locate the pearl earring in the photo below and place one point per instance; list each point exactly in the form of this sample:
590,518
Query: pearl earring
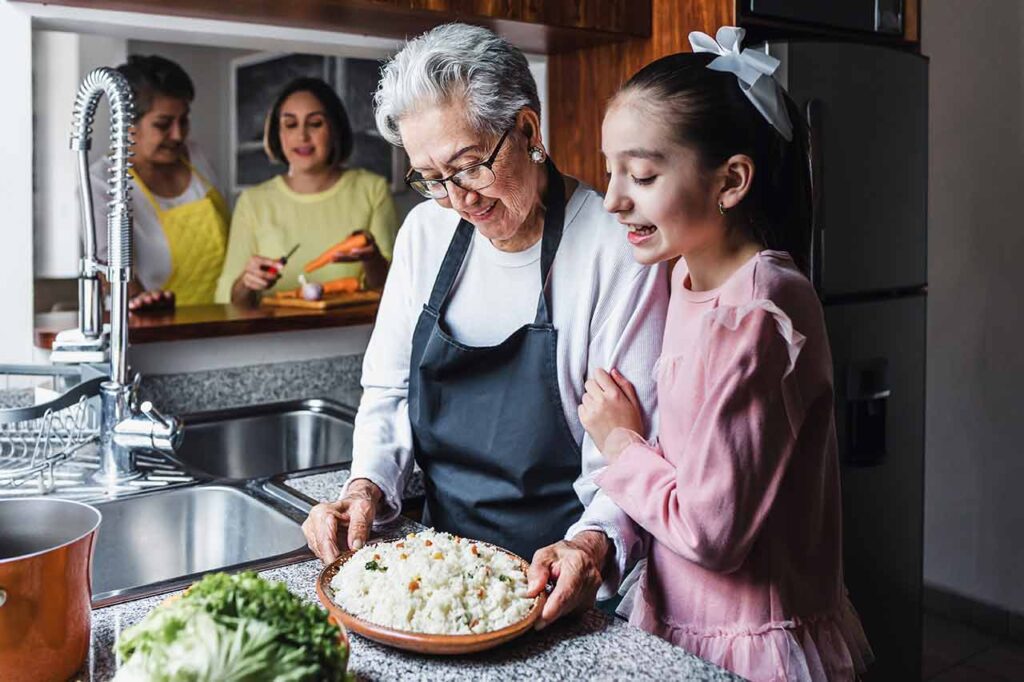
537,154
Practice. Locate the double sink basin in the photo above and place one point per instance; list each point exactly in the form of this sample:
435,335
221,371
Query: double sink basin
154,542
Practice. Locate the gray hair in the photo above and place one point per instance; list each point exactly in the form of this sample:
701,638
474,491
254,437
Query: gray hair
456,60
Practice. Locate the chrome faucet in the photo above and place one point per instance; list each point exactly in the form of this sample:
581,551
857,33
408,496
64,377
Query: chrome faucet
89,342
125,426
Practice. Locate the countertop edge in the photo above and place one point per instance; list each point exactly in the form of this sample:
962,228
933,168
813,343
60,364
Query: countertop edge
205,322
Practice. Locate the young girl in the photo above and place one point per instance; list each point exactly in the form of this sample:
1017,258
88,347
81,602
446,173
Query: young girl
740,493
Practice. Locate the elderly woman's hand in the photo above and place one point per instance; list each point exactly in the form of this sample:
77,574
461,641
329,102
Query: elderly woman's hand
575,566
609,403
356,511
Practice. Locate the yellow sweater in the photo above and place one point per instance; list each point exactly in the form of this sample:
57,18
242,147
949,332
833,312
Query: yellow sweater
270,219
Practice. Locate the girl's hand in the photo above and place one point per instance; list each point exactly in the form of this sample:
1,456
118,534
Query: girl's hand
368,252
609,403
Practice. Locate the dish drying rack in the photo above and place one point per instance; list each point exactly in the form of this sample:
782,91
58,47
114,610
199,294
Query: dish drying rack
51,446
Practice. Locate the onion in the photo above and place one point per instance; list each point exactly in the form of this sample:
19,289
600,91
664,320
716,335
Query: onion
312,291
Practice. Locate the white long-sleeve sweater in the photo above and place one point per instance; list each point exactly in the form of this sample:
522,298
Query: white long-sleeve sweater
608,310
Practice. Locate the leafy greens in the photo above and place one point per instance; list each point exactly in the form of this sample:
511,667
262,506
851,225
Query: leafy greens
234,628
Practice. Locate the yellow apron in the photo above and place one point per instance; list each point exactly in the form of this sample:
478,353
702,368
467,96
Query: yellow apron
197,234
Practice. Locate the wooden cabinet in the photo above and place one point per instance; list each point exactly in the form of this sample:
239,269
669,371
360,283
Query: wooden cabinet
543,26
581,82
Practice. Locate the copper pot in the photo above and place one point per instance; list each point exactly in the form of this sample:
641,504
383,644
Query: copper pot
45,587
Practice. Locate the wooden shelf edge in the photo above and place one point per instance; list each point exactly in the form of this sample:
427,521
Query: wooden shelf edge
403,18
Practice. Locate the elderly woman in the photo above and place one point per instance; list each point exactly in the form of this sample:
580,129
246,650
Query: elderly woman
506,291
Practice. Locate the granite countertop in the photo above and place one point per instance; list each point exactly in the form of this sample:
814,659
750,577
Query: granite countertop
593,646
326,486
335,378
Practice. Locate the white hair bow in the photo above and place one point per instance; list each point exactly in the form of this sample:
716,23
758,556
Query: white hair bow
755,71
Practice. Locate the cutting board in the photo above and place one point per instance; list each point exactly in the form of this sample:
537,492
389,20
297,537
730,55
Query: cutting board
327,302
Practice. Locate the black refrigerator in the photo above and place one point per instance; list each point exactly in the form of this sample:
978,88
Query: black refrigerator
867,111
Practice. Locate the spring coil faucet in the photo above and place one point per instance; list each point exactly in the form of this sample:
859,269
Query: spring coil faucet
125,426
109,82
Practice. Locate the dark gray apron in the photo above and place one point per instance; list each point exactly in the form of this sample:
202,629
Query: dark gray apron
488,426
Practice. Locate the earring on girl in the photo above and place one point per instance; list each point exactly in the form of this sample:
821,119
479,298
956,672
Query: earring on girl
537,154
721,208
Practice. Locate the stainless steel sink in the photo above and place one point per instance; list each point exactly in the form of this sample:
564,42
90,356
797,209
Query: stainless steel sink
266,440
153,543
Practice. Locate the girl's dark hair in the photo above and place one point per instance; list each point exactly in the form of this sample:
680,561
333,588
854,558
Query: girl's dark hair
154,75
709,113
334,112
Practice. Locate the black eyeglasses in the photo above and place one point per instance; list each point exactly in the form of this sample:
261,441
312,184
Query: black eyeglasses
471,178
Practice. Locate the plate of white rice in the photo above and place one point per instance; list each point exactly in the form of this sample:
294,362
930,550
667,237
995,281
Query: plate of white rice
431,592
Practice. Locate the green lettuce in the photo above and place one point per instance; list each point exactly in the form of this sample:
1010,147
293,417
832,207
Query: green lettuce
238,628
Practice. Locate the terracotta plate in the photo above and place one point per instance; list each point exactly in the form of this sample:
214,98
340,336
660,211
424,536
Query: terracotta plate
419,642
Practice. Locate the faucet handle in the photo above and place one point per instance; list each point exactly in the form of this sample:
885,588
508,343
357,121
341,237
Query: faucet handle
150,411
155,432
90,267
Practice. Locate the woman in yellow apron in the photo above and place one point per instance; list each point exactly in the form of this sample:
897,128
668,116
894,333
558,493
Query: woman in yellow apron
181,219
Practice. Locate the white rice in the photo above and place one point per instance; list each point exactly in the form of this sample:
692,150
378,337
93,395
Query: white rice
433,583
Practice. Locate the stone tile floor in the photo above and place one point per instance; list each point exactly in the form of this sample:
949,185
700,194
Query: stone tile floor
954,652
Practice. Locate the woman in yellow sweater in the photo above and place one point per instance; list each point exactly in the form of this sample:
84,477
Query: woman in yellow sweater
315,204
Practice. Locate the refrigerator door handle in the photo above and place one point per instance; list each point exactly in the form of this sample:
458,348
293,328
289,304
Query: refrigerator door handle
867,404
817,172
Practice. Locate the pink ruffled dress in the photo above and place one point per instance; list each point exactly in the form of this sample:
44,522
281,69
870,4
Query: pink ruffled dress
741,493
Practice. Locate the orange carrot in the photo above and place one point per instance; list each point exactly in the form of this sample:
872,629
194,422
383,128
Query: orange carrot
342,285
350,243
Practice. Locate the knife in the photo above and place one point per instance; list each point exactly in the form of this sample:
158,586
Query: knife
283,260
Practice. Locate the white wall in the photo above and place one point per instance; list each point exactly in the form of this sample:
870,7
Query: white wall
59,62
53,95
539,71
974,480
16,185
